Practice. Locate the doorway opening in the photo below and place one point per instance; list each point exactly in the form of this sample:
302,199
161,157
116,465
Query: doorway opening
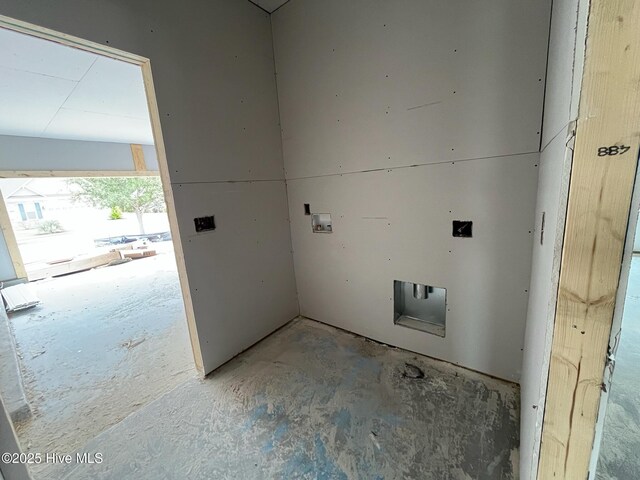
616,449
97,319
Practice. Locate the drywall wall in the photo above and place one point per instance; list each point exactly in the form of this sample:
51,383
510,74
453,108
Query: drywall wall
28,153
566,50
365,86
374,89
214,79
396,225
7,272
249,298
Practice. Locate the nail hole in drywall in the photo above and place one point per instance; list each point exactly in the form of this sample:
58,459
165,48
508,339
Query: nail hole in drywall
307,209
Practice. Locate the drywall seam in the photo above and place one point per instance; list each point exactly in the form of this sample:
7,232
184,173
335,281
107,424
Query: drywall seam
230,181
286,187
389,169
351,78
546,74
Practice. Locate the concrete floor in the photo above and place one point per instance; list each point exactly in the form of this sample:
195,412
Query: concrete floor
313,402
103,343
620,448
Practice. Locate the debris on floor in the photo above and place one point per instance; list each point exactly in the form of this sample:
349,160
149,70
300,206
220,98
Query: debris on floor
138,249
132,343
19,297
411,371
137,253
374,439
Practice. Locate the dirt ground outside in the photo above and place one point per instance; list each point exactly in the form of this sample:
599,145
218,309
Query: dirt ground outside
103,343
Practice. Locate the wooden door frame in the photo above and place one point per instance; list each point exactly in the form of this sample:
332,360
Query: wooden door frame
145,65
600,191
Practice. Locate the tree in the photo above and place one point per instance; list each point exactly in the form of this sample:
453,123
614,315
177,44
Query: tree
138,195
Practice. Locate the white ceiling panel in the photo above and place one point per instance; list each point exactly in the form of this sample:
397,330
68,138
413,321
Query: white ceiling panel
111,87
28,101
99,127
30,54
54,91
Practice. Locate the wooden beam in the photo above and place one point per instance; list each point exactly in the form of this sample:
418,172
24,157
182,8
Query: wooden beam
75,265
603,172
138,158
11,242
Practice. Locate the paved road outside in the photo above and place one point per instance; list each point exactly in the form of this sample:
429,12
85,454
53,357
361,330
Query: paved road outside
620,449
103,343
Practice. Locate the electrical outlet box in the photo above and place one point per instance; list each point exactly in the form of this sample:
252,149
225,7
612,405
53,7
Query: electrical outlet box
321,223
463,228
204,224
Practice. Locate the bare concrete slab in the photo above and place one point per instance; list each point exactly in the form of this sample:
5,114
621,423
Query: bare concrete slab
314,402
102,344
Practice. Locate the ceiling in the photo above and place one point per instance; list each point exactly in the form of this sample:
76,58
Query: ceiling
269,5
54,91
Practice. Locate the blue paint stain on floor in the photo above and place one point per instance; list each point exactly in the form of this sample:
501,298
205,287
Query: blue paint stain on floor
342,419
314,403
278,434
319,465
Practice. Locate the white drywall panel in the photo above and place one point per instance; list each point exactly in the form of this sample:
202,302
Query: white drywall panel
28,153
29,100
214,78
561,68
555,165
213,73
367,85
397,225
7,272
241,273
111,87
93,126
30,54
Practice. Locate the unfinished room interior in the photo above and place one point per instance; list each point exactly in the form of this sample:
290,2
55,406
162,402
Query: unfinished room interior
401,237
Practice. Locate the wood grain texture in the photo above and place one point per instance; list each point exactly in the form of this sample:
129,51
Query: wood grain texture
597,217
138,158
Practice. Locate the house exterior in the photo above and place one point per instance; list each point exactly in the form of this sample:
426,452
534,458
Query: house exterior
34,199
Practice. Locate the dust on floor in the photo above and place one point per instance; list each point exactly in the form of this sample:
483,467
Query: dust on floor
314,402
103,343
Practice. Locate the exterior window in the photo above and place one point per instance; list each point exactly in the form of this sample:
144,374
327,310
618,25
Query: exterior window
23,214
